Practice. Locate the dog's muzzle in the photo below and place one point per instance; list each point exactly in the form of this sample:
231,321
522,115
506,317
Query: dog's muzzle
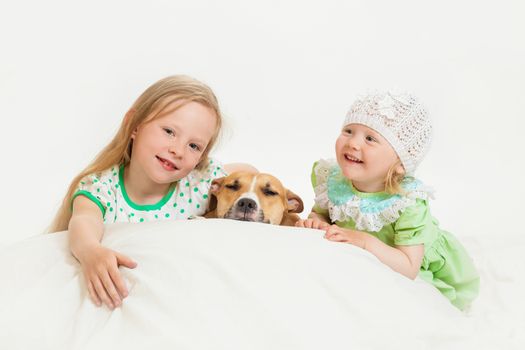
246,205
245,209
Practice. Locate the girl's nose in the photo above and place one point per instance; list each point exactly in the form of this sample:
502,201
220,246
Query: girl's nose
176,149
354,143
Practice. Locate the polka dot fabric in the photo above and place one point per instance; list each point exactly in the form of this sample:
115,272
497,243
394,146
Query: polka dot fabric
186,198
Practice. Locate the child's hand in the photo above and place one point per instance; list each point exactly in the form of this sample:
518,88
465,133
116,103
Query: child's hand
338,234
312,223
103,279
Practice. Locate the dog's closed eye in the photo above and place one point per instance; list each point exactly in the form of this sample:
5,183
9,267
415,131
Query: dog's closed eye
269,192
234,186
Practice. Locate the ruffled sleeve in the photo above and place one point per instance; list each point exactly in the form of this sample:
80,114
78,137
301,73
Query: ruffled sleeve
414,225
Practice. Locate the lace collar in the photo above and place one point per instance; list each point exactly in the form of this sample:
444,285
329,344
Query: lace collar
369,211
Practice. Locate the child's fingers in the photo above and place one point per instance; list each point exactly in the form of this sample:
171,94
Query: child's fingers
92,294
310,223
329,235
324,226
125,261
303,223
116,277
320,225
102,294
110,289
335,237
333,233
330,230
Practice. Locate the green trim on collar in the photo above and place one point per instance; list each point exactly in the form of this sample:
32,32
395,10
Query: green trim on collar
91,197
381,194
146,207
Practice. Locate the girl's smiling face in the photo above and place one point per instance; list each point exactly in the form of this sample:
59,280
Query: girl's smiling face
365,157
169,147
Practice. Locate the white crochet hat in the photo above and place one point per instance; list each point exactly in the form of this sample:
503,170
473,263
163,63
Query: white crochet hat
400,119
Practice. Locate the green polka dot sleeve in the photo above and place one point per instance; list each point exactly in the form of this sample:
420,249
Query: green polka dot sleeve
97,188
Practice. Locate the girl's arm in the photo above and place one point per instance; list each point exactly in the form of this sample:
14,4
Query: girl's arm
99,264
404,259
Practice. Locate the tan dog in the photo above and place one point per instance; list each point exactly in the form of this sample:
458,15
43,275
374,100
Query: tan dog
253,197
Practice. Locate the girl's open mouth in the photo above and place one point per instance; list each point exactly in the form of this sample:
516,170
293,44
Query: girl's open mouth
166,164
353,159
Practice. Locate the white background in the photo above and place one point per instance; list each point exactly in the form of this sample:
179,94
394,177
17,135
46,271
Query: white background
285,73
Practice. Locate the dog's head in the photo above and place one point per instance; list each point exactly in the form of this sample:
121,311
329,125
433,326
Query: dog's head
253,197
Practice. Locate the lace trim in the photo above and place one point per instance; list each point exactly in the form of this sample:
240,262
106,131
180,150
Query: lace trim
368,213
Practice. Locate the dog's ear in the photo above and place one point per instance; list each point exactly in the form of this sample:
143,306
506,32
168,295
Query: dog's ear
216,185
295,203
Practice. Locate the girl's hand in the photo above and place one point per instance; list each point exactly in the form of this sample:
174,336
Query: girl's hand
103,279
404,259
99,264
312,223
338,234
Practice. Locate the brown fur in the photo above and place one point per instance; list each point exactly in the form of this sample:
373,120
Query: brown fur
269,201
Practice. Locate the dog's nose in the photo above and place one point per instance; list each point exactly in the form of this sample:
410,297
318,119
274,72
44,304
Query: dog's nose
247,204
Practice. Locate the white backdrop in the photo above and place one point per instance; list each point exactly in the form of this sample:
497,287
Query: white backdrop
285,73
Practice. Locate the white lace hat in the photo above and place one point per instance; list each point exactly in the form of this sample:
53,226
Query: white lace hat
400,119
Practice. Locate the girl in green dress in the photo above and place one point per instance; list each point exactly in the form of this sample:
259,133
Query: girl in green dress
368,196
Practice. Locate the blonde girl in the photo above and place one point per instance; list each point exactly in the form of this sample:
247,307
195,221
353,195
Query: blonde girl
155,168
368,197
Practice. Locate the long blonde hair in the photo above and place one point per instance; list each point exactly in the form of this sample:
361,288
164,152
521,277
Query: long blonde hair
394,179
149,106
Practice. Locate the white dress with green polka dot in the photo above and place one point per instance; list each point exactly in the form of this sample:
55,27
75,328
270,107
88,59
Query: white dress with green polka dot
186,198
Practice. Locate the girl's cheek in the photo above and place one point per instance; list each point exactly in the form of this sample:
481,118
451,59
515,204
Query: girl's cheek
196,158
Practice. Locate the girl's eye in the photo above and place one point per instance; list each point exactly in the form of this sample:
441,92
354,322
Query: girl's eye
348,131
195,147
371,139
169,131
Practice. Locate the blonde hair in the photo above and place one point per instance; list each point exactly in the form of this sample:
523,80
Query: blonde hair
151,104
393,179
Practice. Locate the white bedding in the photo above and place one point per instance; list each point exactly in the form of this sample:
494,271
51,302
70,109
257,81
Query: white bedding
221,284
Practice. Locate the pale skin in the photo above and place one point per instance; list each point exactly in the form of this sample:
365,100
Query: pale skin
179,139
365,157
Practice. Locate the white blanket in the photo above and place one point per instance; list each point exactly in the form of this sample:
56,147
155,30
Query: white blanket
221,284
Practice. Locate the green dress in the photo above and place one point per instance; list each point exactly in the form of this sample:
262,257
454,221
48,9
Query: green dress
399,220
